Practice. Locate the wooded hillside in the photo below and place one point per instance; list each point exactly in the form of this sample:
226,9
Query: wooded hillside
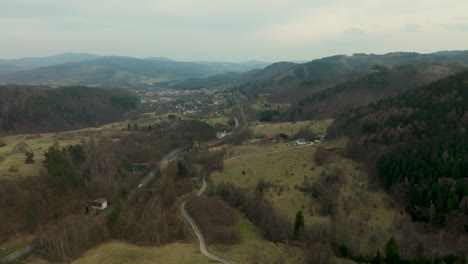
421,143
23,110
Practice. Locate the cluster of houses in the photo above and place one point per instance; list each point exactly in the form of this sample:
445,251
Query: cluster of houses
185,102
300,141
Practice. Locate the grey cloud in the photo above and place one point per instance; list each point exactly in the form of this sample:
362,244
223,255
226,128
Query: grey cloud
457,27
229,30
412,27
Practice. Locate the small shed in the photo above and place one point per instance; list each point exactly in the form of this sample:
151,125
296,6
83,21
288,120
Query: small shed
99,204
301,141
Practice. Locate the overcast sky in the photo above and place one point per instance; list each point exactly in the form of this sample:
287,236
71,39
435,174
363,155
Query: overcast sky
230,30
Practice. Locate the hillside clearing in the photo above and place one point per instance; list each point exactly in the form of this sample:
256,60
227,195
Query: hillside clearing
40,143
369,220
291,128
119,252
253,249
11,158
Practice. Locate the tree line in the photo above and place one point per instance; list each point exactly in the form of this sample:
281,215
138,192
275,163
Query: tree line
418,146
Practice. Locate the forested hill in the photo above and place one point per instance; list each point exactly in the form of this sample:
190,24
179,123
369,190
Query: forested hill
24,110
380,83
421,141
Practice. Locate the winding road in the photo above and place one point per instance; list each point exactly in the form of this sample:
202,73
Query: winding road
162,164
197,231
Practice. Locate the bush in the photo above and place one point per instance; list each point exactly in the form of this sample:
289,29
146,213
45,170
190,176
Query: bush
21,147
216,219
273,227
29,157
13,169
267,116
344,251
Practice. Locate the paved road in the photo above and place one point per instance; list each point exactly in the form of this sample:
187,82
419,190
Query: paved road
17,254
197,230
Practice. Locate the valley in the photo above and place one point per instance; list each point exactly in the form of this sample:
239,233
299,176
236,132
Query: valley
347,159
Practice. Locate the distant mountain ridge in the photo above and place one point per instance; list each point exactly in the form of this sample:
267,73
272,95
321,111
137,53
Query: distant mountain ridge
99,70
12,65
283,77
232,78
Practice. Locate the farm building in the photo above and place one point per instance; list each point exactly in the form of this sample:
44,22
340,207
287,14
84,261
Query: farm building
99,204
301,141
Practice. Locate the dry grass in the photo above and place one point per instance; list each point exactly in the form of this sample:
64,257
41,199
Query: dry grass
14,244
119,252
252,147
291,128
253,249
284,169
260,104
38,144
362,212
216,120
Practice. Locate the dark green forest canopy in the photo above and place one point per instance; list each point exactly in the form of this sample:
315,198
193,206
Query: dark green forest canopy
421,140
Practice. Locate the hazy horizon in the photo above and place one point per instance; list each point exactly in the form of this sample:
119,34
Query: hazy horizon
220,60
210,30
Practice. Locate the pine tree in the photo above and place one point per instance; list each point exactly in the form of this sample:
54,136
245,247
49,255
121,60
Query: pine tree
298,224
377,259
391,252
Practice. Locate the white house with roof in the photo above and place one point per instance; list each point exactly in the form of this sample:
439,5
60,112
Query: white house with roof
301,141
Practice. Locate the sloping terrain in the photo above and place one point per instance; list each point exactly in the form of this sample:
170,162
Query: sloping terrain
13,65
112,70
233,78
378,84
395,59
293,84
417,142
24,110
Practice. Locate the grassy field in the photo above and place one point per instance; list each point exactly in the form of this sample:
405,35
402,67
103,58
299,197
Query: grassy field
260,104
253,147
363,215
216,120
119,252
316,126
37,143
283,169
143,122
253,249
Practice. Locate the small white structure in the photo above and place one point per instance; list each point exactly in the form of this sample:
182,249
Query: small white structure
99,204
301,141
